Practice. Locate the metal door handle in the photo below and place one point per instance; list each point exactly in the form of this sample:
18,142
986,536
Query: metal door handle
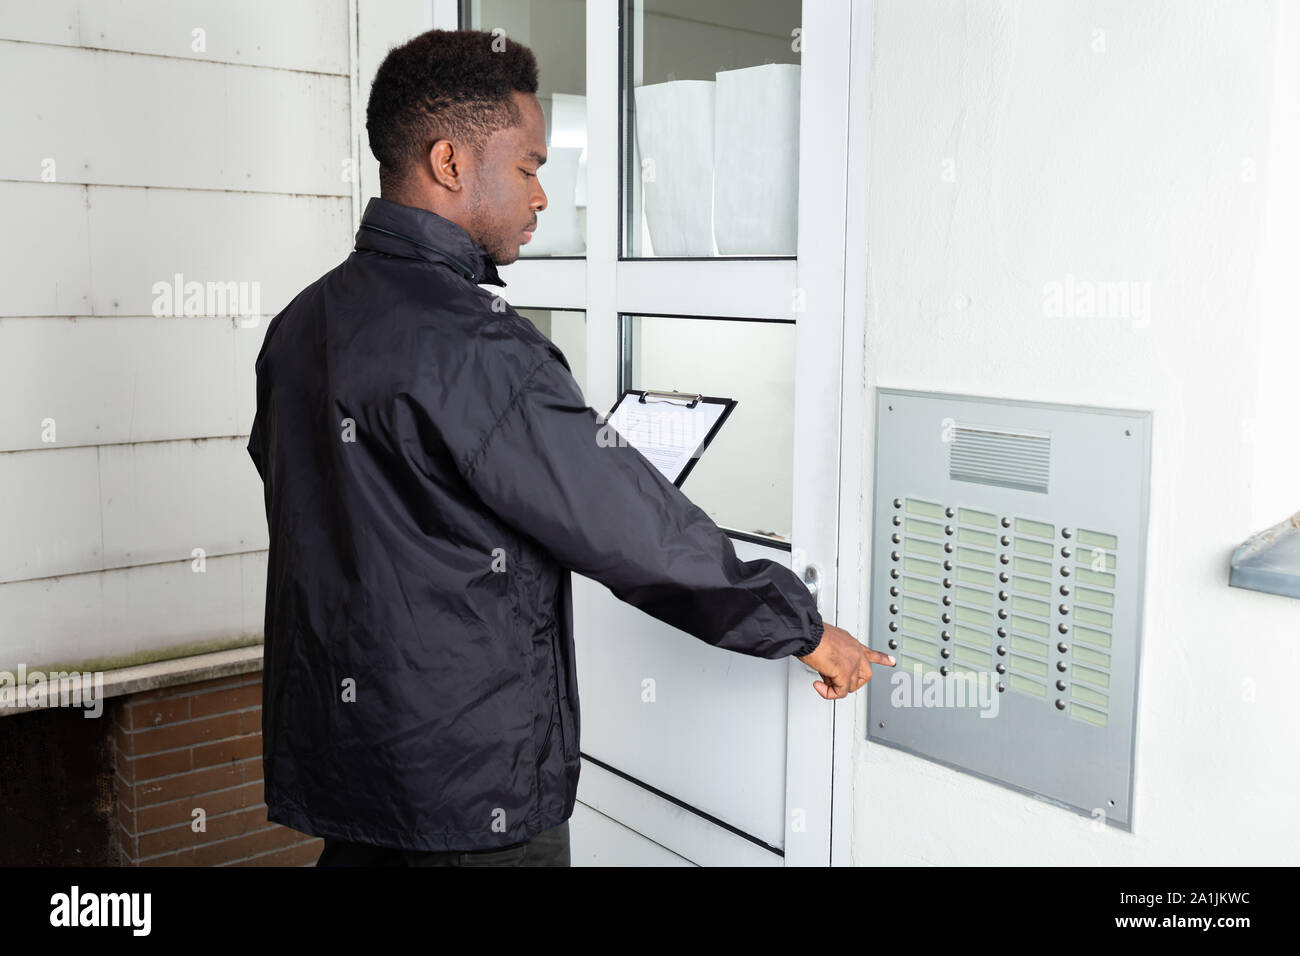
812,577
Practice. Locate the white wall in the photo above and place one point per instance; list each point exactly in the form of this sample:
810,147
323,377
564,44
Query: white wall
147,138
382,25
1161,150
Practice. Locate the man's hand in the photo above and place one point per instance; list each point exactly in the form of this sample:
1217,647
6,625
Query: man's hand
843,662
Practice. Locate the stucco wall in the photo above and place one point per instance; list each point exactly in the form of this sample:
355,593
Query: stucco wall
1016,145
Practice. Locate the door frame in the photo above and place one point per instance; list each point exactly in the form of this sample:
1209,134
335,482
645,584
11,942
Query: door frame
856,458
821,376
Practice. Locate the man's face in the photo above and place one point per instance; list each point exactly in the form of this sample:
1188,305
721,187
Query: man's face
506,194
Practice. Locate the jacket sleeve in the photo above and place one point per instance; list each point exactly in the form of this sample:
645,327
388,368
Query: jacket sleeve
551,469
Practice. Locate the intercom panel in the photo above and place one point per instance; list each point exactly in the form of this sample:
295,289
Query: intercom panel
1008,557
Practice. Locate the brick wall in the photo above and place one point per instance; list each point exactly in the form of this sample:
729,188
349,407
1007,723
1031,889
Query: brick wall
197,747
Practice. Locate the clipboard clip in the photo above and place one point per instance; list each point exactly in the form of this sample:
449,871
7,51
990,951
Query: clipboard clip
669,395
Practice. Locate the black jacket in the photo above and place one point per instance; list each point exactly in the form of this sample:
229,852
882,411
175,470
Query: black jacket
432,473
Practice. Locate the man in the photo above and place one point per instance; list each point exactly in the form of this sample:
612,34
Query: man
432,475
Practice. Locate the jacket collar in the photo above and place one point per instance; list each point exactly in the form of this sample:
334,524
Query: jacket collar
399,230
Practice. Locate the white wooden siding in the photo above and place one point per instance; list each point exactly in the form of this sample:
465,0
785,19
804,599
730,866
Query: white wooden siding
121,612
301,35
129,379
157,121
227,164
44,249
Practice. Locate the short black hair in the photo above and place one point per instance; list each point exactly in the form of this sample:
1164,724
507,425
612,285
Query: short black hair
444,84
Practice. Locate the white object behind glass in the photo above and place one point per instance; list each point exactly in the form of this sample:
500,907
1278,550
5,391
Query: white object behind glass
756,161
674,128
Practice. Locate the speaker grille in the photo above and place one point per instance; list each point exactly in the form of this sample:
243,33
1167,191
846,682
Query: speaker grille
997,456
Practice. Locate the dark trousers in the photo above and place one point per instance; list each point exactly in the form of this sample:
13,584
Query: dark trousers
548,848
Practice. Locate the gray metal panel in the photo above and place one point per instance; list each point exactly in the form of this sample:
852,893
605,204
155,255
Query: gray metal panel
1097,485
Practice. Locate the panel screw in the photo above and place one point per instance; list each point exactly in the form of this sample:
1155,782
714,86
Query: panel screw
1006,522
1062,647
1002,614
947,582
898,503
1001,668
893,625
1063,628
893,555
1001,687
895,537
893,644
1002,632
1065,572
893,573
1065,532
1065,609
945,617
947,565
945,635
1002,651
943,669
944,653
1006,540
1060,704
897,520
1060,666
1065,589
949,512
1060,685
1002,595
1005,559
893,609
947,547
893,590
1004,577
1066,552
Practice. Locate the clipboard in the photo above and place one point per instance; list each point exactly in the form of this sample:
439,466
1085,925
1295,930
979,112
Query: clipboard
667,454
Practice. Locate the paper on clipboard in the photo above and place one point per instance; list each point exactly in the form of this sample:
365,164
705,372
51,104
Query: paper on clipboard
669,434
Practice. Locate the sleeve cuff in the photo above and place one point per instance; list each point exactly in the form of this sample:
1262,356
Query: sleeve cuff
815,638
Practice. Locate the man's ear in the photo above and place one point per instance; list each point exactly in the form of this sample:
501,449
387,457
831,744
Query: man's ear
444,165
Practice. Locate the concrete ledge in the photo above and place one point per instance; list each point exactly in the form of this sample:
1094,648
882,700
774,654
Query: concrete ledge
133,680
1270,560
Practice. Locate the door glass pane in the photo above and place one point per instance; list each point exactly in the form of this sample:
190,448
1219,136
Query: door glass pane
568,330
556,32
744,481
710,139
